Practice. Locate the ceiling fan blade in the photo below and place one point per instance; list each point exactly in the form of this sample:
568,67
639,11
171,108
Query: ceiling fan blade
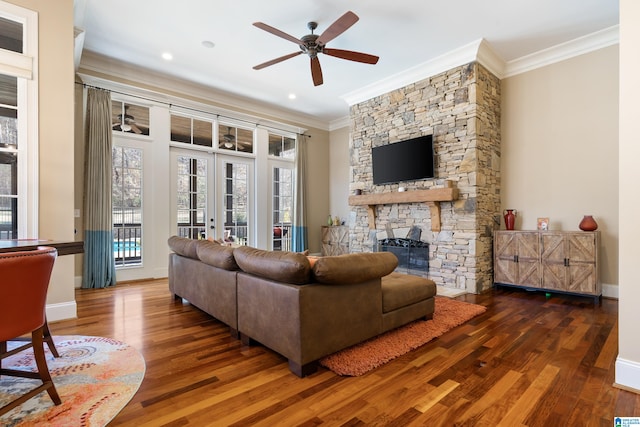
341,25
316,71
277,32
351,55
275,61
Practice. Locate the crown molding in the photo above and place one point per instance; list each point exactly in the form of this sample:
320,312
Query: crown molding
340,123
589,43
481,51
460,56
107,68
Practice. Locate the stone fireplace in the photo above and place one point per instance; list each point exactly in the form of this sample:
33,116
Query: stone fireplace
461,108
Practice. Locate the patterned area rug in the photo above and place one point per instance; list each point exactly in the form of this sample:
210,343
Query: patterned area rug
361,358
95,378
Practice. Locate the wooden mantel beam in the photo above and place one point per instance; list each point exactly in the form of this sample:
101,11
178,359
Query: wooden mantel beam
432,197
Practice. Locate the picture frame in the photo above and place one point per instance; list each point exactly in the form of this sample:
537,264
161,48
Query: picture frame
543,224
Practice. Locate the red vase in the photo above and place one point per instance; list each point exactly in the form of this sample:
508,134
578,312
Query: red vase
510,219
588,224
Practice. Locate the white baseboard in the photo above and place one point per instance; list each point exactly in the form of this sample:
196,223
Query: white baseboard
609,291
627,374
61,311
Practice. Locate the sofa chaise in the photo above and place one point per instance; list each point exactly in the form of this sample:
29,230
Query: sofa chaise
301,307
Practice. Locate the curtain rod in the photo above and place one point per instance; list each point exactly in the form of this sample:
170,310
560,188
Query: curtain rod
186,108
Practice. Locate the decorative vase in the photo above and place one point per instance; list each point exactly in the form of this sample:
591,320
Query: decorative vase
329,221
588,224
510,218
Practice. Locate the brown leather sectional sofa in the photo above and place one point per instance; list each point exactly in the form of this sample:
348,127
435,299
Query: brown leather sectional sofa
301,311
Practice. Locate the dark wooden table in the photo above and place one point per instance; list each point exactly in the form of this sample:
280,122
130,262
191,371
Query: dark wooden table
64,248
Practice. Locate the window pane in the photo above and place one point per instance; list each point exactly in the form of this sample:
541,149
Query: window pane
275,145
11,35
226,137
282,208
281,146
289,148
202,133
8,128
192,197
8,217
8,90
245,140
127,205
8,196
180,129
236,201
129,118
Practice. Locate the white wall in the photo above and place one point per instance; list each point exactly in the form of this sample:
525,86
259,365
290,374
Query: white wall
628,362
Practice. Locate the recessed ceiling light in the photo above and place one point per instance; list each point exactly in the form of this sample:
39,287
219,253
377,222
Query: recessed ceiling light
292,96
167,56
209,44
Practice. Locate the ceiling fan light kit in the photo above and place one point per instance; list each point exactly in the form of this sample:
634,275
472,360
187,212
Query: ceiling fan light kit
313,44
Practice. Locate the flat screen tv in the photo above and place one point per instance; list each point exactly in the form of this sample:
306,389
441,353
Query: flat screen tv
407,160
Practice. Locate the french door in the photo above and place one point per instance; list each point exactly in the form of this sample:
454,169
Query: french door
212,196
193,200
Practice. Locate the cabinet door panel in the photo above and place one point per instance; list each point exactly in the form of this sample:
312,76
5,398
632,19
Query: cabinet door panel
528,246
582,247
582,278
553,248
505,271
554,276
529,273
505,245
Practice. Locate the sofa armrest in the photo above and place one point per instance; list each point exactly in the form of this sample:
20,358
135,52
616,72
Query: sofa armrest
307,322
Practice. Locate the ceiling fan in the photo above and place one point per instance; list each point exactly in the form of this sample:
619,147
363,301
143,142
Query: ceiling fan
230,142
228,139
313,44
127,123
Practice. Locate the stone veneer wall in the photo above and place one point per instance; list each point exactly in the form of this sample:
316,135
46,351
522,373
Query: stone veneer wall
461,108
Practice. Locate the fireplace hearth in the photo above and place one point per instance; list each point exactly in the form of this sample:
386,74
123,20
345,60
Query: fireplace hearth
413,255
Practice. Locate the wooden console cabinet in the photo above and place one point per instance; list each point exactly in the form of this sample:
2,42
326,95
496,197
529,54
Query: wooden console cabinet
558,261
335,240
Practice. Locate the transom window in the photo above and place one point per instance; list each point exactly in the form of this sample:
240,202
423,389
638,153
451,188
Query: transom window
282,146
235,139
191,131
129,118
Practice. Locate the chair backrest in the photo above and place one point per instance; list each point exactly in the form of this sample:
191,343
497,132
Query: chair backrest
24,280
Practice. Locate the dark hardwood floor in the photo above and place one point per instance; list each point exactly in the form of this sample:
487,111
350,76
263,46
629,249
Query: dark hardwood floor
528,361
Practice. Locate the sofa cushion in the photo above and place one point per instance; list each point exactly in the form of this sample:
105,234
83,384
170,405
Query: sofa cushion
217,255
183,246
401,290
354,268
281,266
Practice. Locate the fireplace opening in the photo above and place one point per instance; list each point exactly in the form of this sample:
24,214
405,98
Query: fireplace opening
413,255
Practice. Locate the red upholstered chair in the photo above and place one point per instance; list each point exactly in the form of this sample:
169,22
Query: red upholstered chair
24,280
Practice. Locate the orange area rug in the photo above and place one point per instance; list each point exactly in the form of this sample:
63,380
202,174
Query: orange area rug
361,358
95,378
